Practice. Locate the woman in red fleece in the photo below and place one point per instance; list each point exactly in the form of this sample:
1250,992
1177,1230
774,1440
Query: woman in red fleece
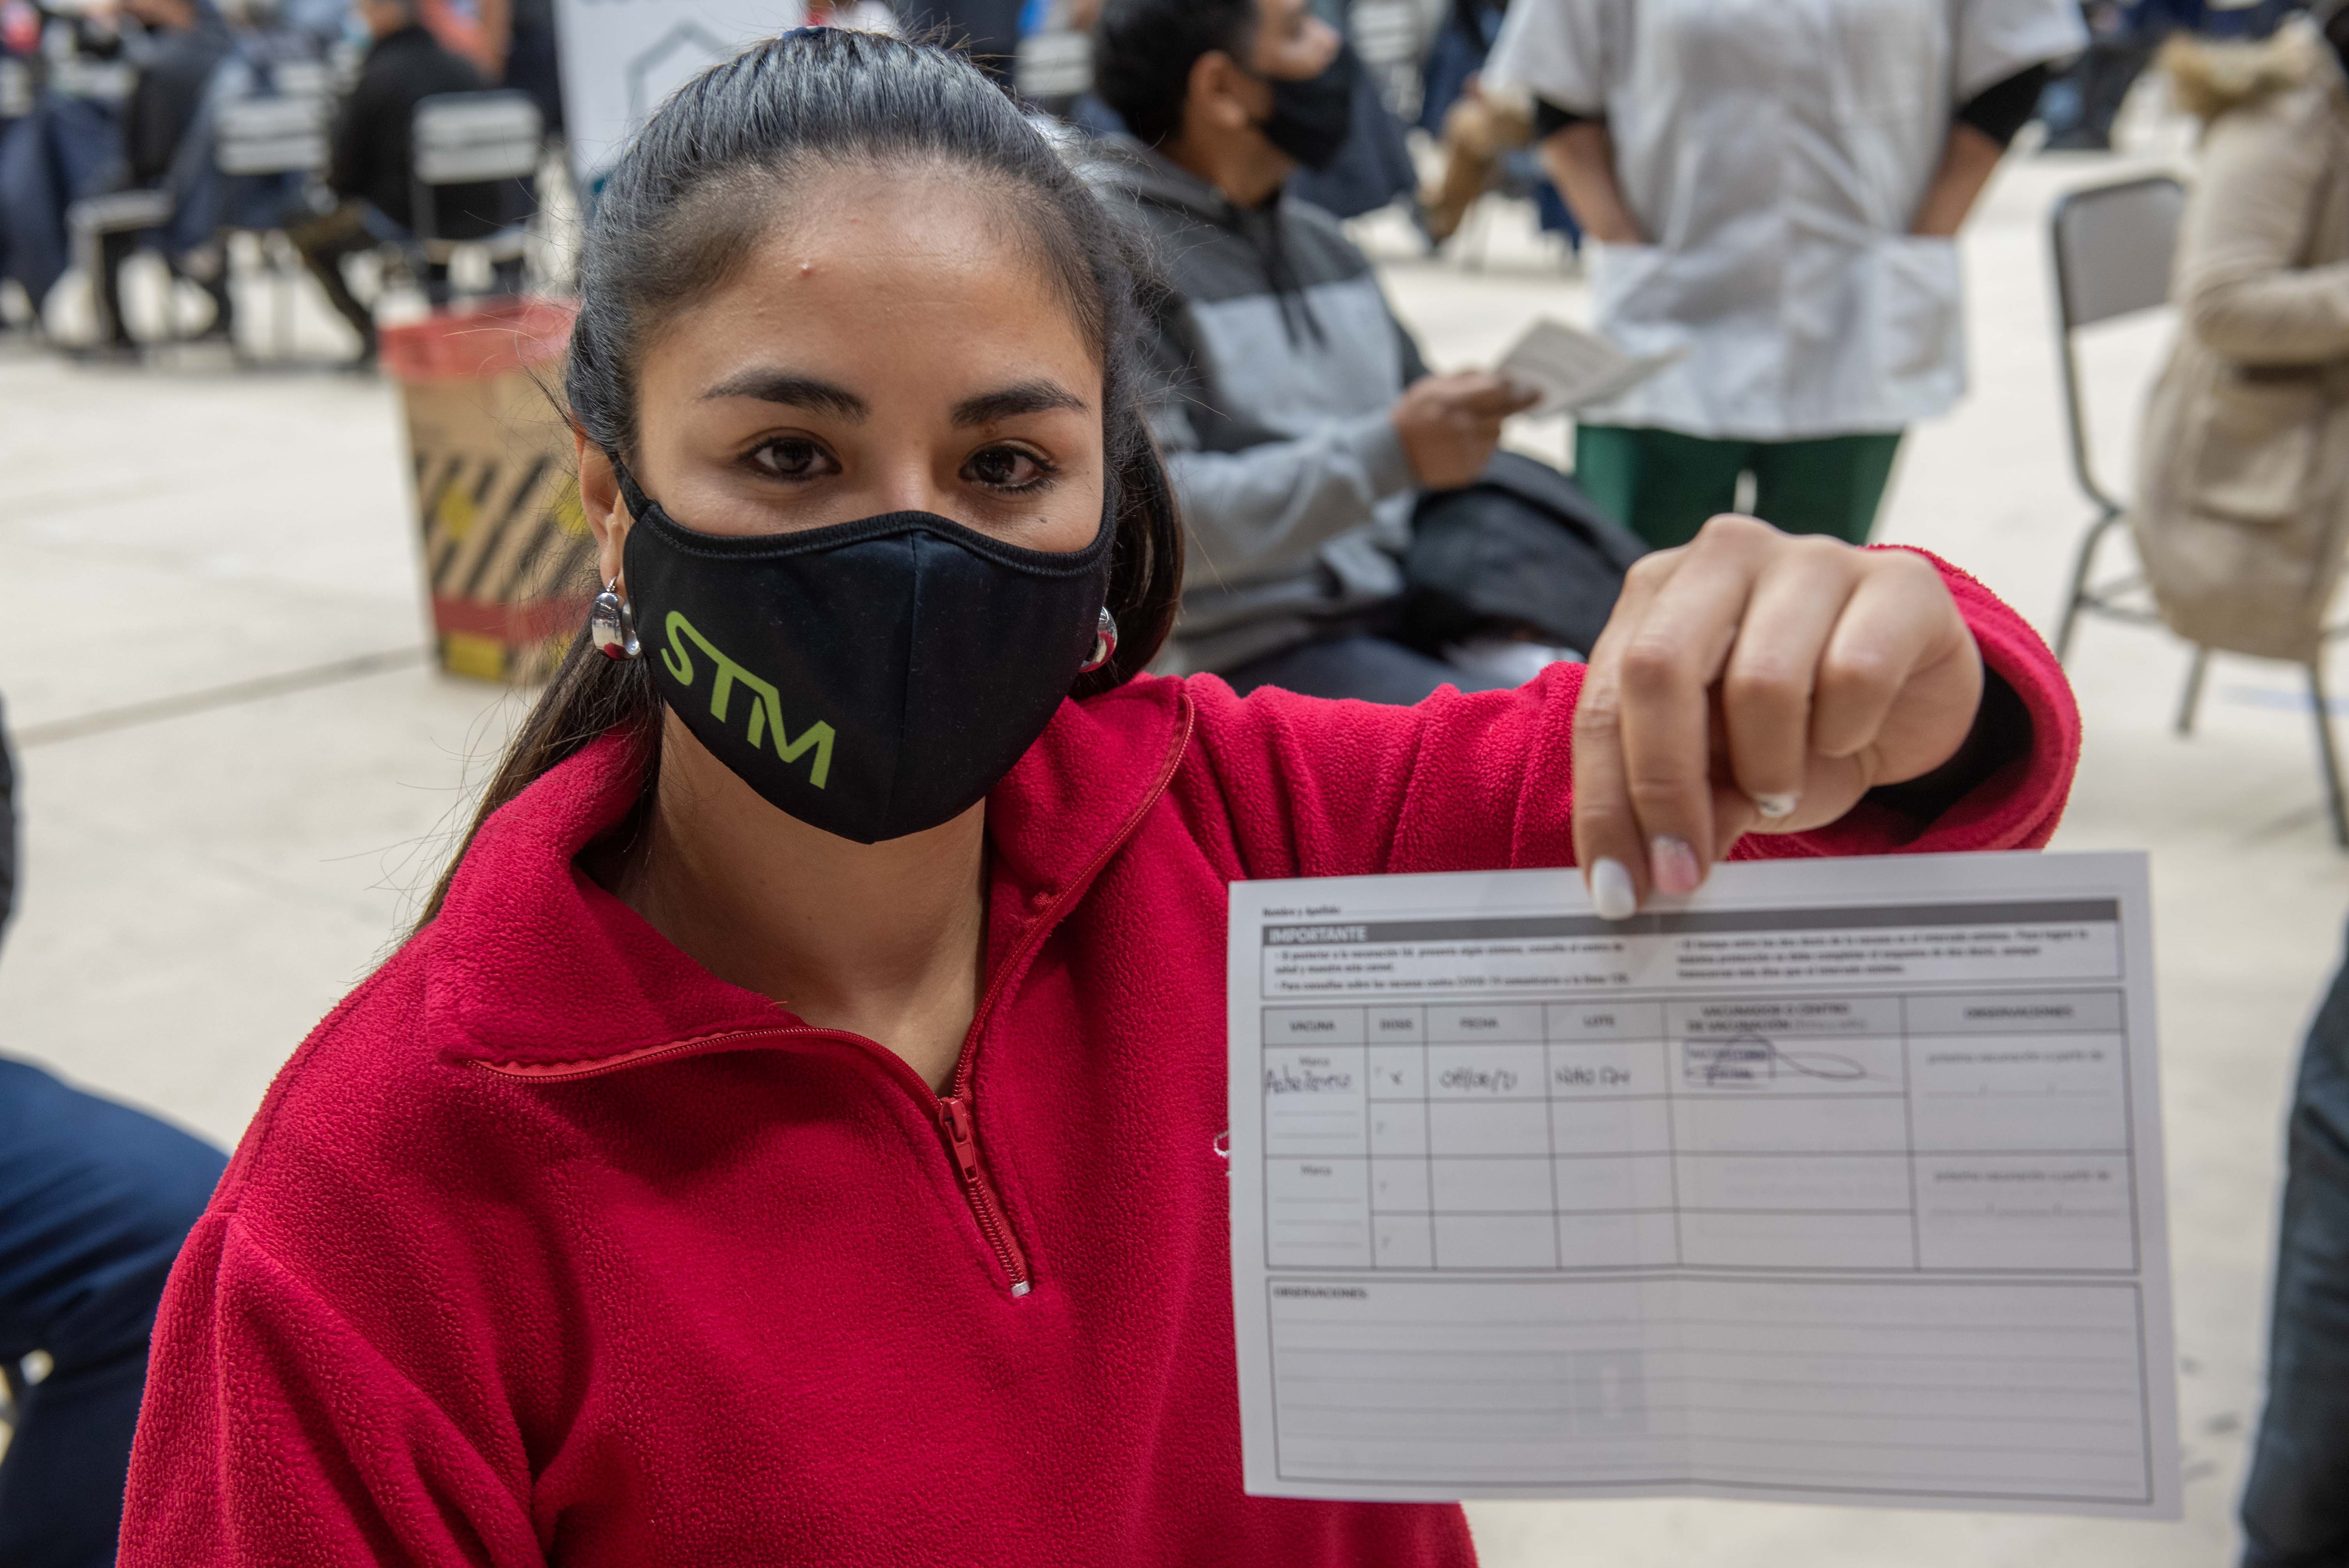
792,1137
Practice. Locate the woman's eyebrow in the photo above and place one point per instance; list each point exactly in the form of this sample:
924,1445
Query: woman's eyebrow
797,391
1020,397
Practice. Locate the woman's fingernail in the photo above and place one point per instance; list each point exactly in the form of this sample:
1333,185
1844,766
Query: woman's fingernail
1674,865
1777,806
1611,893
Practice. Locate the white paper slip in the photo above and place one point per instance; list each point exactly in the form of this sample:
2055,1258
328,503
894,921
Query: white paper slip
1574,369
1839,1181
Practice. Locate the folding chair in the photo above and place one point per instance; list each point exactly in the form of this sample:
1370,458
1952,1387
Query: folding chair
1053,66
100,81
94,218
305,78
285,133
262,136
472,138
2113,246
16,89
1389,37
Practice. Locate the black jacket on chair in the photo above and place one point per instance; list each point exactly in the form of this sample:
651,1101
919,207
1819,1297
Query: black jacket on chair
374,151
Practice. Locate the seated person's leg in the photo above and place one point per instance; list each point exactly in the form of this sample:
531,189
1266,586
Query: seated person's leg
223,322
324,243
207,268
1358,666
95,1201
114,251
2295,1505
1660,484
1831,485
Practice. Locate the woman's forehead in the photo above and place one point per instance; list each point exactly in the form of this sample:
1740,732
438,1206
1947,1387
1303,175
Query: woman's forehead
898,289
883,254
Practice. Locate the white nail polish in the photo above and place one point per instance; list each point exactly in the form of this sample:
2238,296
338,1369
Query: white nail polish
1611,893
1777,806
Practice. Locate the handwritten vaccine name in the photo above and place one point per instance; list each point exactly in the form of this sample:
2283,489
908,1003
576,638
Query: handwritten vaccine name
1308,1075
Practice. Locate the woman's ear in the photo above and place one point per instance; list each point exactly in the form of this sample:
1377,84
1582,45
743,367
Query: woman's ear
599,500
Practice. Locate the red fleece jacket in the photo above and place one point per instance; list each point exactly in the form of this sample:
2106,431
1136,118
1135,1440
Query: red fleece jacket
550,1247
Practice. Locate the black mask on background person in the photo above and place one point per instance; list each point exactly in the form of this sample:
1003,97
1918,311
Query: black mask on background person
1311,118
871,678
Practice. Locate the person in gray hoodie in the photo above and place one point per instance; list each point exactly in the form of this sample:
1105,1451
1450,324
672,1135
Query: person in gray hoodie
1300,421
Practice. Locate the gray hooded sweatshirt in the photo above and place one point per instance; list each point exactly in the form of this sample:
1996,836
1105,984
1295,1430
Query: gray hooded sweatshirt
1273,365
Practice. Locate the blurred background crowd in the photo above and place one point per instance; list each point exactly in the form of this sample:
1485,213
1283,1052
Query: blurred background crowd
213,138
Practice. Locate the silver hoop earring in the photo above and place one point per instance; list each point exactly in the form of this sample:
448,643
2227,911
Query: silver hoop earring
1104,642
613,625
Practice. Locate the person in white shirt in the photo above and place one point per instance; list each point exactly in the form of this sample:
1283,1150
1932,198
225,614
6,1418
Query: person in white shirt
1774,185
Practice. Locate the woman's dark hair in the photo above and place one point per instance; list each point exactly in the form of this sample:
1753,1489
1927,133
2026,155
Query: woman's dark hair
1144,51
717,169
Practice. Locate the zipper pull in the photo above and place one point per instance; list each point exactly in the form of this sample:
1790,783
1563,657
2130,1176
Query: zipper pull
962,1142
954,1114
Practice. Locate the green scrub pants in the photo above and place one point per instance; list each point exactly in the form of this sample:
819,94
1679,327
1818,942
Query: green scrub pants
1662,485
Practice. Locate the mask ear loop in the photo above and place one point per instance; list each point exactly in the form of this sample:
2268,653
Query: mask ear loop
631,492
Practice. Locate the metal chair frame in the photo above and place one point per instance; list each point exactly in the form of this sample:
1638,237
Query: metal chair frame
2126,598
280,133
92,219
482,162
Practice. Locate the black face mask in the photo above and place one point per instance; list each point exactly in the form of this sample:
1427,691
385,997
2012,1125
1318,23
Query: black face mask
1311,118
871,678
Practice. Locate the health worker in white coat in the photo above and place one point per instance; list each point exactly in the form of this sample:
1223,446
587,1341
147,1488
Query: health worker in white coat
1774,185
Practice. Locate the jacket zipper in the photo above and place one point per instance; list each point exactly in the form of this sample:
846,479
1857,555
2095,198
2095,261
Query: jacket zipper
953,1108
955,1105
962,1142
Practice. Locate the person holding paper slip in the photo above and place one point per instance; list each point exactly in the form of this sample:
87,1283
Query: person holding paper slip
1775,188
791,1135
1354,529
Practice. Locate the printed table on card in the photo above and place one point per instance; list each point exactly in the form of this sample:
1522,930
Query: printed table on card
1838,1181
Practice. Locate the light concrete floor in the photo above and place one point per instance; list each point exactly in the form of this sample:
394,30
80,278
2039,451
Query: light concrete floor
213,855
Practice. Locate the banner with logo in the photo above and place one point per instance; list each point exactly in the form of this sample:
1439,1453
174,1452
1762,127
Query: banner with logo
621,58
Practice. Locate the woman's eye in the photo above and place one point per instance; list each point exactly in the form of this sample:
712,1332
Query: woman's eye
791,459
1005,467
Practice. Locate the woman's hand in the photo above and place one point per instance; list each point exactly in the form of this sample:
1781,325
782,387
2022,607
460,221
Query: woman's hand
1754,681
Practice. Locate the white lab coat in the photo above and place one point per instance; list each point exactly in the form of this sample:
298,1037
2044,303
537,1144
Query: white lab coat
1775,152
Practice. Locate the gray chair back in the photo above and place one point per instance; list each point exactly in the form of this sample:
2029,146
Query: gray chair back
286,134
120,211
15,88
100,81
1054,64
2112,247
467,138
1386,32
305,78
474,139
